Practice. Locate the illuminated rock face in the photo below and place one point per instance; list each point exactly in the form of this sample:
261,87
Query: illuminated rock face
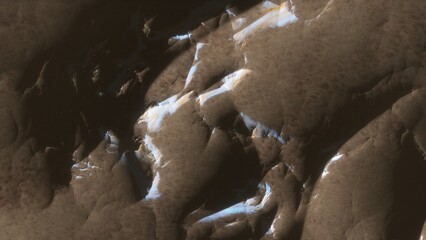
213,120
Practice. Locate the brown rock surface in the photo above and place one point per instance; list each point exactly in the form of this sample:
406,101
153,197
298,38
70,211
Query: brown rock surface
212,119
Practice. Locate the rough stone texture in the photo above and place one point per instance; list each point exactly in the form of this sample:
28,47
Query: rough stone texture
212,119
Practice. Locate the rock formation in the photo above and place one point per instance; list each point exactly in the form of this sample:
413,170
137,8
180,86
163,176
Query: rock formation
214,119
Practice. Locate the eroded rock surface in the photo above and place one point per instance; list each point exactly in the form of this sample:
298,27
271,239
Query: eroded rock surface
213,119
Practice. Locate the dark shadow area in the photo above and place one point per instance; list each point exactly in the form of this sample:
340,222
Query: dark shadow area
264,223
141,181
91,82
236,180
409,193
350,120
